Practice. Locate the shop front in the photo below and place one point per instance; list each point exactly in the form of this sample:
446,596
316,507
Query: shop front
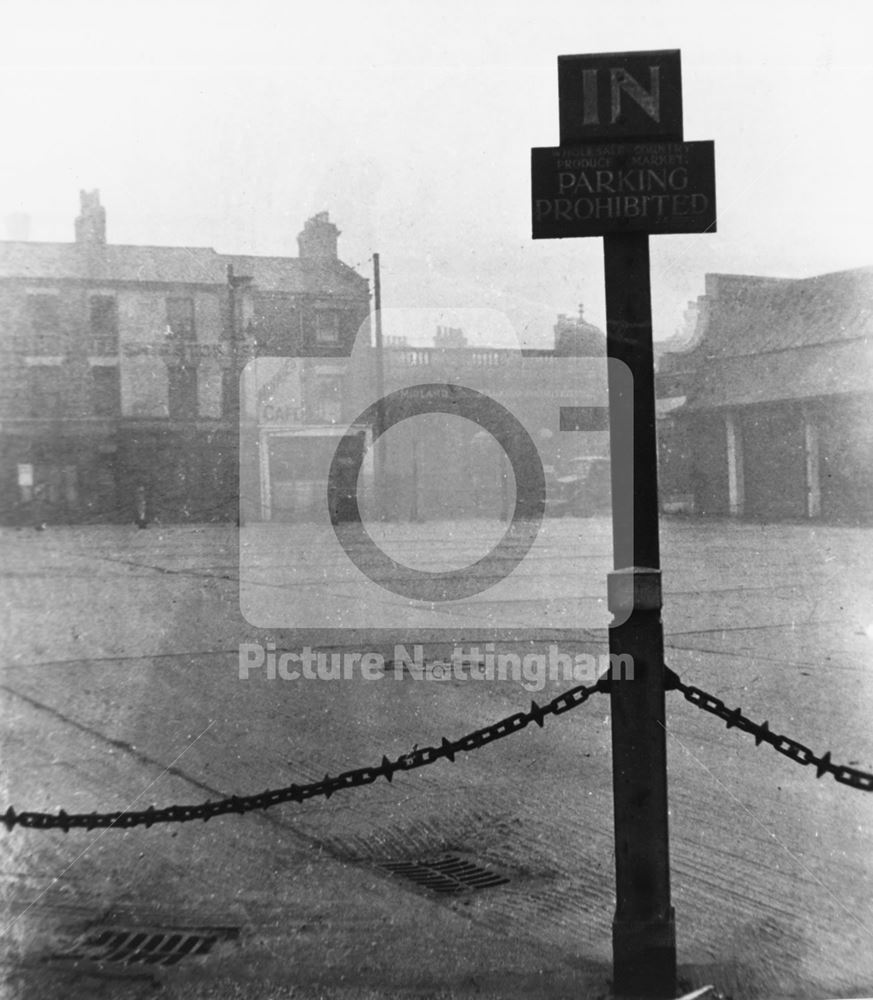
295,464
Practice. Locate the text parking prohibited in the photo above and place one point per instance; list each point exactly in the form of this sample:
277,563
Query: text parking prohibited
647,187
623,171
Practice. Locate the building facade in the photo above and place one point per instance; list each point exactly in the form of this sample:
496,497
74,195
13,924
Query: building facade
122,366
768,412
438,465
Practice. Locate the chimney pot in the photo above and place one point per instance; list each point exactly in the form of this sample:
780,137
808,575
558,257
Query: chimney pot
91,222
319,238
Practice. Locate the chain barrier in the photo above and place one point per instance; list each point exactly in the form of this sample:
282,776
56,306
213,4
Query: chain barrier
447,749
733,717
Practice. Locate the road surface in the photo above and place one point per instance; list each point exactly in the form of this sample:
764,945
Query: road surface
122,687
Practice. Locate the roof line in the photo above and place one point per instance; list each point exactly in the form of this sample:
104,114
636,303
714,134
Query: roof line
764,278
769,350
106,246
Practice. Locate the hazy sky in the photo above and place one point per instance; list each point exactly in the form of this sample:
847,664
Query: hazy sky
227,124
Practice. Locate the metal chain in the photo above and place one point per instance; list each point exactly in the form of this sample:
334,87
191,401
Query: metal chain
420,757
733,717
298,793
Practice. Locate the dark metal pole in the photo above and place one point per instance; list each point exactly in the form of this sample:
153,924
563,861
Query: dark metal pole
234,370
644,942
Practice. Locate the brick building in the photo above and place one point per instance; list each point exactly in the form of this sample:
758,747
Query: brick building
768,412
122,364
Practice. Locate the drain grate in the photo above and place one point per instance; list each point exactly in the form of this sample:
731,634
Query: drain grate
447,875
145,947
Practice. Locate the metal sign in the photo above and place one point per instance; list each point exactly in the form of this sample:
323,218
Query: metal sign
623,188
620,95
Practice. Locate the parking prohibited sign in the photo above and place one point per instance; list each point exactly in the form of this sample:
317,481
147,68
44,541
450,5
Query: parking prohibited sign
623,187
622,166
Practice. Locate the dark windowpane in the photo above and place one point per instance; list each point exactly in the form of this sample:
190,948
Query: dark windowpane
182,393
105,394
103,325
180,318
327,326
44,388
44,323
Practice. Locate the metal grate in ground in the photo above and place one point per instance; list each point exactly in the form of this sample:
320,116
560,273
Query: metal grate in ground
132,947
448,875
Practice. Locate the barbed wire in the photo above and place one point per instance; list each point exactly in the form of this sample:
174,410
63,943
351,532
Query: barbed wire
800,754
447,749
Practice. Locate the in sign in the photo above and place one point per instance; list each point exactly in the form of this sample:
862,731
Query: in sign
620,95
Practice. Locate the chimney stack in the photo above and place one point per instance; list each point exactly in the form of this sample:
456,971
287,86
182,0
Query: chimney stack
319,238
91,223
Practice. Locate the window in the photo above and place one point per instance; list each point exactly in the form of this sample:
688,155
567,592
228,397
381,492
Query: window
327,326
44,326
180,318
105,392
44,388
103,340
182,392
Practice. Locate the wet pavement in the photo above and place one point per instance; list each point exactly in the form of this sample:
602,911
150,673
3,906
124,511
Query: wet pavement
122,687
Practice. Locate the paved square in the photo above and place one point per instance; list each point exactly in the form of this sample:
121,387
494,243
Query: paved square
121,687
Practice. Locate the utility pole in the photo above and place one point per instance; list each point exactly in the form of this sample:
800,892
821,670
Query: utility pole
623,171
380,455
231,376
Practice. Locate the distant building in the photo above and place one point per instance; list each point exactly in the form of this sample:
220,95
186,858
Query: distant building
122,363
574,336
434,466
449,337
459,469
768,412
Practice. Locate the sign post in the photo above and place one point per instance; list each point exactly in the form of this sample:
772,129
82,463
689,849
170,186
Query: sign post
622,172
